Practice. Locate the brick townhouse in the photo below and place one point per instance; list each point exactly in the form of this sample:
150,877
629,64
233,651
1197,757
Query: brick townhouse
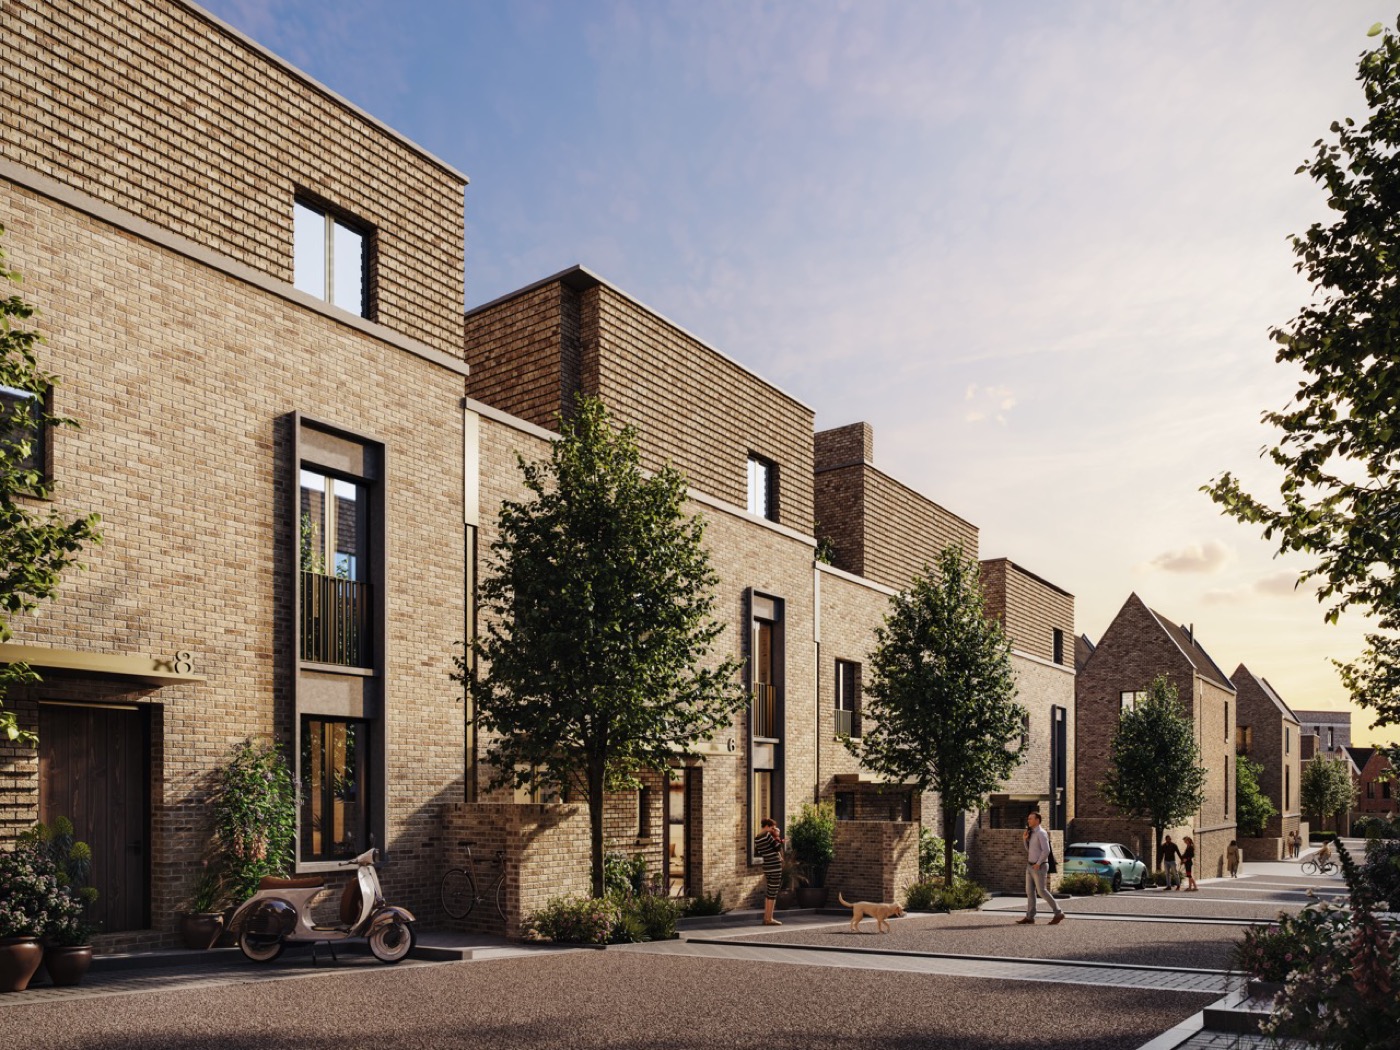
1138,646
1376,793
1269,733
252,294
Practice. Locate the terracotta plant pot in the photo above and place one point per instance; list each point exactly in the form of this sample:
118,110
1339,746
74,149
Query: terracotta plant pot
67,963
200,930
19,958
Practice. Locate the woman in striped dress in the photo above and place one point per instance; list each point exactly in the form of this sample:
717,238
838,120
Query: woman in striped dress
768,844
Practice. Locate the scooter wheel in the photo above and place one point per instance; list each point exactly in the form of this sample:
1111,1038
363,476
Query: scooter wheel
392,942
259,949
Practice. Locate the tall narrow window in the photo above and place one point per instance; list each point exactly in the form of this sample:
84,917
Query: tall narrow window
334,566
766,722
1057,643
1244,739
847,697
335,796
762,490
331,258
1287,741
1227,720
1287,789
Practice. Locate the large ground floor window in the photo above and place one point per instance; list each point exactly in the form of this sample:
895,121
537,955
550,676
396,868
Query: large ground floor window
335,789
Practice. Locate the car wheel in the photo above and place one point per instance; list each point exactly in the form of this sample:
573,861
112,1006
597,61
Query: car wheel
1117,881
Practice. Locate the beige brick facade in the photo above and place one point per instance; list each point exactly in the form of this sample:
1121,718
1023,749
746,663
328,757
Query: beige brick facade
1274,742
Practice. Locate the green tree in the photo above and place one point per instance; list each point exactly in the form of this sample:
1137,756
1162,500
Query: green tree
1253,808
35,548
599,607
1325,788
940,711
1339,447
1155,772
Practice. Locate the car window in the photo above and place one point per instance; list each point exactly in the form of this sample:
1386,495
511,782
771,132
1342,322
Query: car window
1119,851
1084,851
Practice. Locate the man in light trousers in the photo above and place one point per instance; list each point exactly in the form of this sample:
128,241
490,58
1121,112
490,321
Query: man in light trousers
1037,841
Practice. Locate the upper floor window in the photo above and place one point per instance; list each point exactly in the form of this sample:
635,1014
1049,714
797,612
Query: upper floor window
21,421
331,258
1244,739
762,488
848,697
336,596
1287,741
1057,642
1227,720
1128,699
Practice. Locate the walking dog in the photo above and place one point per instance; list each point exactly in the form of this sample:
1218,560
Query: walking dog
879,912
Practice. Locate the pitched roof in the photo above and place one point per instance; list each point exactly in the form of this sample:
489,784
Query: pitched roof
1361,755
1185,639
1267,689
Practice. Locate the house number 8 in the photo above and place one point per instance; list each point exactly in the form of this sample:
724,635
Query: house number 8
184,662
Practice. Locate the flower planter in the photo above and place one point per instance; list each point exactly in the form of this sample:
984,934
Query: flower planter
19,958
1264,989
200,930
786,899
811,896
67,963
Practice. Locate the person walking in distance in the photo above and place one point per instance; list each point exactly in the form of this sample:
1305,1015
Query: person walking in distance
1188,863
768,844
1167,858
1232,859
1037,841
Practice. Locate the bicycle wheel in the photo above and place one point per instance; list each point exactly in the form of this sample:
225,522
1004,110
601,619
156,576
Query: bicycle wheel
1309,867
458,893
501,896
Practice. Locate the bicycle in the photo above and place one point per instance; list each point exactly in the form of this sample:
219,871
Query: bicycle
1311,867
458,889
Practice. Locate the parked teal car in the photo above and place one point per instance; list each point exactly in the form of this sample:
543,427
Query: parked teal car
1108,860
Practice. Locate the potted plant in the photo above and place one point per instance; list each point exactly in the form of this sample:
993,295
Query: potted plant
67,935
792,879
202,922
812,841
29,887
254,804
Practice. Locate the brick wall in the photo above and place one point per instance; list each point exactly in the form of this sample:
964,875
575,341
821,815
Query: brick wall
1279,759
153,108
1029,609
854,443
999,861
875,860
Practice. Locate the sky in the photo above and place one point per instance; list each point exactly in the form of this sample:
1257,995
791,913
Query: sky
1038,247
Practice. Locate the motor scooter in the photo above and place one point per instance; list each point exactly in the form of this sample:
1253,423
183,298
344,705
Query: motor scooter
280,914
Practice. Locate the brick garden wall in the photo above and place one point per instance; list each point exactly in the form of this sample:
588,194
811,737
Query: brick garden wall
999,861
875,860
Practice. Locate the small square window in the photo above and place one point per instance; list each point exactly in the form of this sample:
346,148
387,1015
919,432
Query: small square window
1128,699
762,488
331,258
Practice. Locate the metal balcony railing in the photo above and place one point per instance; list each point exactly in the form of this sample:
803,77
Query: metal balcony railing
335,621
846,723
765,710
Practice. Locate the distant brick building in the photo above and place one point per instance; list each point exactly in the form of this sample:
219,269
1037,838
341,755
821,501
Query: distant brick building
1138,646
1332,728
1376,788
1268,733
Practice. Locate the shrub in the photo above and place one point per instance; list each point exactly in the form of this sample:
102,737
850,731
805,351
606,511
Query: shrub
658,916
705,904
572,920
254,818
931,857
931,895
1084,884
34,902
1382,870
811,837
623,876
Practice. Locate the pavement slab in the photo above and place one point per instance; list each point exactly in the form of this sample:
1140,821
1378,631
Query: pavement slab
615,999
990,934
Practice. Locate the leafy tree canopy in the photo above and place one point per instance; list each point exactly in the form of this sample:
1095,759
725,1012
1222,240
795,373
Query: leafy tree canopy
1339,443
1325,788
35,547
596,653
940,710
1253,808
1155,772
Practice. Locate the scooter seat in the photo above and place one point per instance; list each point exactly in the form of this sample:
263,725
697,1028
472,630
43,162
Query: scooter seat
301,882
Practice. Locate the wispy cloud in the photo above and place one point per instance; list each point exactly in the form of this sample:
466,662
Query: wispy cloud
988,402
1208,557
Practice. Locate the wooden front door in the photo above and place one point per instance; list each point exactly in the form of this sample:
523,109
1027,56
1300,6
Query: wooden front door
93,769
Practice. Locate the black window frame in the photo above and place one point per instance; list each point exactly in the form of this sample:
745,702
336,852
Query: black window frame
847,691
333,216
770,487
364,786
40,458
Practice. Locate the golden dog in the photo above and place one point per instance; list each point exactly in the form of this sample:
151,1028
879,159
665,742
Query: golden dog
879,912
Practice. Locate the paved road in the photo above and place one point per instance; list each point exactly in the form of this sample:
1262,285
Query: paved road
615,999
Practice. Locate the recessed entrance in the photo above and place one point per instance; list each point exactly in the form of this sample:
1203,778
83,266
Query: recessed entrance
93,769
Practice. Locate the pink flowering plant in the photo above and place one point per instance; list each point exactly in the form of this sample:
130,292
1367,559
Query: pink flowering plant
1271,953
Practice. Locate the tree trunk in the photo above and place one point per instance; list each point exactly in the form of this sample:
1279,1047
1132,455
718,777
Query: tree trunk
595,824
947,848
